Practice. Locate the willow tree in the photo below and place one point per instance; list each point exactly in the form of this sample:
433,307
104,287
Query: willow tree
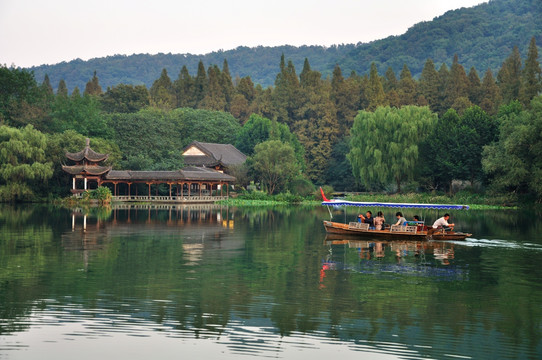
23,163
384,144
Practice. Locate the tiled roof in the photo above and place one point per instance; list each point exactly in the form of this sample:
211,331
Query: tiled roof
87,153
225,154
90,170
195,174
200,160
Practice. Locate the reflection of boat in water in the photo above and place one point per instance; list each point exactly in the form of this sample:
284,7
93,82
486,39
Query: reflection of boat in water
410,230
385,258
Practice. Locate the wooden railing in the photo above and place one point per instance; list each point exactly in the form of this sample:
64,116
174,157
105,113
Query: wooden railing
169,199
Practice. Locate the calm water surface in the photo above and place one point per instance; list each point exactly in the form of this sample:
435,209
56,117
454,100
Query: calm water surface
215,282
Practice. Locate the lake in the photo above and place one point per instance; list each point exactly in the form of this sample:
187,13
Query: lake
213,282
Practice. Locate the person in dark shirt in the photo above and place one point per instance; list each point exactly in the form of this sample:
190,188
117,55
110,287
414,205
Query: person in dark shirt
368,219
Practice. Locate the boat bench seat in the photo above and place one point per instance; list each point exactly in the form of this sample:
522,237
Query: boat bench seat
358,225
402,228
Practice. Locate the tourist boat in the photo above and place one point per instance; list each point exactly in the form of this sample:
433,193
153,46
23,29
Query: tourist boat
411,230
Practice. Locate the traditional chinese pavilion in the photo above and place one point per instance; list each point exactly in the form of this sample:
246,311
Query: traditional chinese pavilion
190,184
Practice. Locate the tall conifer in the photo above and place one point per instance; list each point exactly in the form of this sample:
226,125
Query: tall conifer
509,76
407,87
162,92
429,84
184,89
62,89
375,92
93,86
531,75
200,83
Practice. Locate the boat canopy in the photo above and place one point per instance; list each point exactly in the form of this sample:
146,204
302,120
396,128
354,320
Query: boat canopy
338,202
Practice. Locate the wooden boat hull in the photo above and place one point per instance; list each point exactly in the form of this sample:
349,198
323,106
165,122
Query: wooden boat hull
343,229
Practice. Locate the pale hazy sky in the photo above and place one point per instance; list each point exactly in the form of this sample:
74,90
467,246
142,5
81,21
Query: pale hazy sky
34,32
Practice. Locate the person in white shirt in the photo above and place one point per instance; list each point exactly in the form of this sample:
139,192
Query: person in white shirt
443,222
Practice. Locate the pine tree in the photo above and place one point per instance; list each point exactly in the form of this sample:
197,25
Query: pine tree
93,87
457,84
490,94
62,89
227,84
287,93
390,80
444,76
375,91
214,98
184,89
46,86
76,94
475,87
509,77
406,88
162,92
345,96
531,75
429,84
245,87
200,83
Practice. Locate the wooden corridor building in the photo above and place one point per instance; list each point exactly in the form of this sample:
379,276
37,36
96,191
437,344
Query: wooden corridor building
190,184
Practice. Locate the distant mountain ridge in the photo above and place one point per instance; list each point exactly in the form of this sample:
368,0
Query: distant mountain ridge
482,36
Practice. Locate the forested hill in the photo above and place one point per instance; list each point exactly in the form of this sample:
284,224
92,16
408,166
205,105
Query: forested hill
482,36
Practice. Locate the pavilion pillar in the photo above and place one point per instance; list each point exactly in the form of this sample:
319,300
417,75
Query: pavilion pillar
189,186
115,189
170,191
129,188
85,182
199,184
149,189
73,186
221,189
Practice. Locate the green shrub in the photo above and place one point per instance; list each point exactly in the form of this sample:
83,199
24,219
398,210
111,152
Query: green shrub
301,186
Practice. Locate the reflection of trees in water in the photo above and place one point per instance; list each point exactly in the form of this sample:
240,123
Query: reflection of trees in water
267,269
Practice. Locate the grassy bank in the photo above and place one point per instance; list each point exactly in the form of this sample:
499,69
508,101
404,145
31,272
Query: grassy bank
475,201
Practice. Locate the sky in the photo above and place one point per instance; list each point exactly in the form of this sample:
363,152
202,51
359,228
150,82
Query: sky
34,32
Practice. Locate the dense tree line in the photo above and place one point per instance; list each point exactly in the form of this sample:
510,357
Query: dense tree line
316,117
482,36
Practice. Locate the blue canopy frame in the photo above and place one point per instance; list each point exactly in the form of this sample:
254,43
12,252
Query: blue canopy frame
395,205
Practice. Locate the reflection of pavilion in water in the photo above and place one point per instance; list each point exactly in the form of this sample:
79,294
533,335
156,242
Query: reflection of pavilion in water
199,226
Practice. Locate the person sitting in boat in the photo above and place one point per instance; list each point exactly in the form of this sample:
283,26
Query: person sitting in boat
419,223
367,219
379,221
400,218
442,223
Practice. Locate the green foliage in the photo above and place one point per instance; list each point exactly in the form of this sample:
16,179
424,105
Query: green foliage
162,92
93,87
384,144
79,113
301,187
274,164
153,139
125,99
23,163
514,162
101,193
206,126
148,140
21,100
